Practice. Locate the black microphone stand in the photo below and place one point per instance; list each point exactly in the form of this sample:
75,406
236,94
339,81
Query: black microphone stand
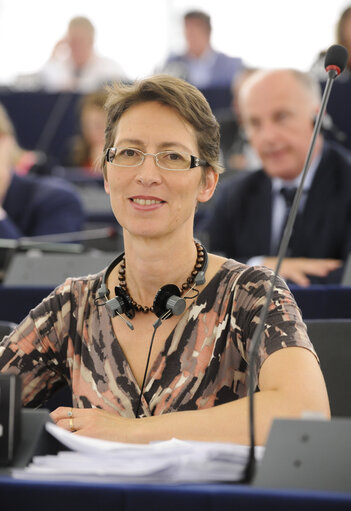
255,343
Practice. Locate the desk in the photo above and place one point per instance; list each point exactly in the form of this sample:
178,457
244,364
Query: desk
69,496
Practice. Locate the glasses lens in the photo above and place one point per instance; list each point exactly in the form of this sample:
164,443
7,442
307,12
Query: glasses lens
172,160
125,157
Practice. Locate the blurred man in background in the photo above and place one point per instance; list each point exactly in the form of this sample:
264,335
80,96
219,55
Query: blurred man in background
278,109
201,65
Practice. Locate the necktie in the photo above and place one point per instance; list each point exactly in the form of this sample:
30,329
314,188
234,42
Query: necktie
288,194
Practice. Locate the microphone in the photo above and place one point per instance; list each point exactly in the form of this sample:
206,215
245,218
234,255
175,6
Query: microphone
335,62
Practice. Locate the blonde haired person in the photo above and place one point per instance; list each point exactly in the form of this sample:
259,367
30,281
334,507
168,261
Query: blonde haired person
31,205
86,148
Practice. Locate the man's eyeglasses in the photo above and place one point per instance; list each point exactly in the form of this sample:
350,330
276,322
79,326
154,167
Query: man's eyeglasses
168,160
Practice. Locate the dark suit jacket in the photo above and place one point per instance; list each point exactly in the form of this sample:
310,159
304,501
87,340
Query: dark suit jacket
239,223
40,205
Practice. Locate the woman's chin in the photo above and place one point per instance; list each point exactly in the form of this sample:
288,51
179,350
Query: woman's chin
147,232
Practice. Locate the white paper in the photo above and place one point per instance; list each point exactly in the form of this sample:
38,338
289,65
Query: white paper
170,461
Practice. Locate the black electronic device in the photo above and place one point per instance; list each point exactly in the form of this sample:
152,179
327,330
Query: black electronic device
308,454
10,420
167,301
346,274
33,440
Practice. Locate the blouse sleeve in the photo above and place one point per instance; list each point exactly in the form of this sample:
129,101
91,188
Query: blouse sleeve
37,349
284,326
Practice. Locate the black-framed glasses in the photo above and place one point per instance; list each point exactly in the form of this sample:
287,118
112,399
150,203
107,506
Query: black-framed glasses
168,160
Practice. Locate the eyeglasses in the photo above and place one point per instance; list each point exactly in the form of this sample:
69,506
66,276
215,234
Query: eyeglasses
168,160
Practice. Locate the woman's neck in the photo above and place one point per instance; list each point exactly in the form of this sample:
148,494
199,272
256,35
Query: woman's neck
151,265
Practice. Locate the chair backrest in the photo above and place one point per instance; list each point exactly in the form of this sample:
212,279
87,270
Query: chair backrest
332,341
6,328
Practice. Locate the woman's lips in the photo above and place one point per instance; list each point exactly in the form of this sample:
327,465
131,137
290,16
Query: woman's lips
146,203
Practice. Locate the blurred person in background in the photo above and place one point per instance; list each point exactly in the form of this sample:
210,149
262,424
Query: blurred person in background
74,65
23,160
336,123
343,37
86,148
30,205
201,65
278,110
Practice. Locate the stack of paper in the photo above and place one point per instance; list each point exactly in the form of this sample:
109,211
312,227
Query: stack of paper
171,461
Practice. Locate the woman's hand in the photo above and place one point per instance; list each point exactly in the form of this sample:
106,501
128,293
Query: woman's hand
283,394
94,422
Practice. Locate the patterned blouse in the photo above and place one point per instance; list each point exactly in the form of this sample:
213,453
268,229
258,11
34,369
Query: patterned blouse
67,338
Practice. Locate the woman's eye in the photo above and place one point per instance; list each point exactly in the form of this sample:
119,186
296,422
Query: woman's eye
128,152
174,156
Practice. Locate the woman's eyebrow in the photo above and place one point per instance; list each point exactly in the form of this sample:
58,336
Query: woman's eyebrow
164,145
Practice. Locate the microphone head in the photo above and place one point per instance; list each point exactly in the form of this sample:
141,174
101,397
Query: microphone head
336,58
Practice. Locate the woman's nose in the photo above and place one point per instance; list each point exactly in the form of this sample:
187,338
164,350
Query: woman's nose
148,171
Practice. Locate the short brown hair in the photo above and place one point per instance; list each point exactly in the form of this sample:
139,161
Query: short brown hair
186,99
201,16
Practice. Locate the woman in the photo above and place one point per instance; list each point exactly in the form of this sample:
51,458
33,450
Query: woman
86,148
160,159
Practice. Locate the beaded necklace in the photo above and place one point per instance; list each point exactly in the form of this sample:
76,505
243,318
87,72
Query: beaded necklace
187,284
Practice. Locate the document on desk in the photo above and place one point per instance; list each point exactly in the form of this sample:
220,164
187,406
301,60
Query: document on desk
170,461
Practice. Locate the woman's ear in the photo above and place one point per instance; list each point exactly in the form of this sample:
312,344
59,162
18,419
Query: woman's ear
208,185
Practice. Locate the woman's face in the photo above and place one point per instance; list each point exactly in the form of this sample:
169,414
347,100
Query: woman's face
149,201
93,122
